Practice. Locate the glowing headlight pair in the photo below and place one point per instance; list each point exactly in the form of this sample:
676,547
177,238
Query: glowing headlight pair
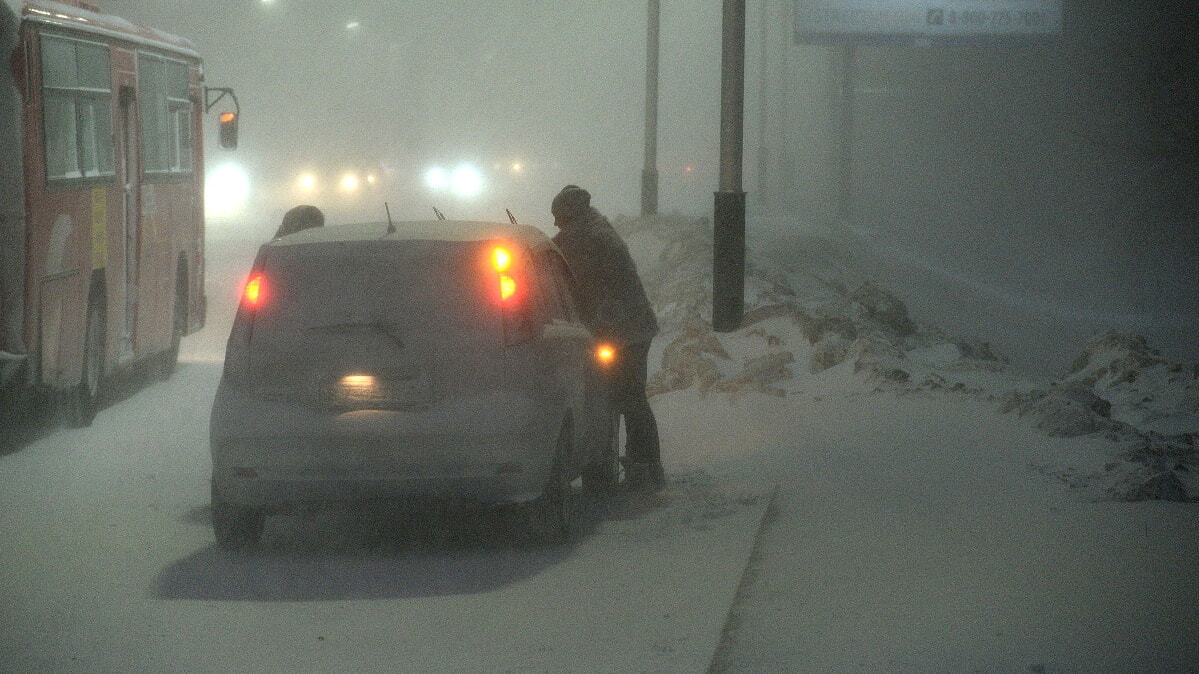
348,183
464,181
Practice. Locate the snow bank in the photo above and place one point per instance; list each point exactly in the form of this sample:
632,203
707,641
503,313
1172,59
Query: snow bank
808,321
1146,405
805,330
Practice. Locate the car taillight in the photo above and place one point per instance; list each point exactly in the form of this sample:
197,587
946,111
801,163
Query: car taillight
255,291
605,355
501,261
508,282
507,287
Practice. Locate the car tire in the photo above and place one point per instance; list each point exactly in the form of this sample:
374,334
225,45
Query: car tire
82,400
603,473
236,527
552,515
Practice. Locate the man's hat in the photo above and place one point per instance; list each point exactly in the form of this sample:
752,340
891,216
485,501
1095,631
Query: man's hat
571,203
300,217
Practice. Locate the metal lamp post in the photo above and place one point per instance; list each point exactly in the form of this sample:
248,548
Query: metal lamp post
728,252
649,172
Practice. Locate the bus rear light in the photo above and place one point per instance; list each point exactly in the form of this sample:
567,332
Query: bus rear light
255,291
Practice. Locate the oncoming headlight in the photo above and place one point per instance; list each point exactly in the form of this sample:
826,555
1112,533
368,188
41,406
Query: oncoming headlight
465,181
226,190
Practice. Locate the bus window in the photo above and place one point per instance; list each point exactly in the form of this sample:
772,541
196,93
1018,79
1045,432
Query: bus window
166,113
78,108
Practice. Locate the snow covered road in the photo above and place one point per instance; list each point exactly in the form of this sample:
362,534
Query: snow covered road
915,528
910,535
108,562
108,565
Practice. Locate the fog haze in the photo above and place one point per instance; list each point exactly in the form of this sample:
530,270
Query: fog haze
921,450
1047,176
559,87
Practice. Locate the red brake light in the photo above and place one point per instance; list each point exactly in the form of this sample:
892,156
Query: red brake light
507,286
503,263
501,259
255,290
505,278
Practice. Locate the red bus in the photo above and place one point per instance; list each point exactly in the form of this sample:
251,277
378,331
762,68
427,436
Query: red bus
101,198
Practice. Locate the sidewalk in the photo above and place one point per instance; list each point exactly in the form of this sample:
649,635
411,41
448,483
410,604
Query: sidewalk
921,541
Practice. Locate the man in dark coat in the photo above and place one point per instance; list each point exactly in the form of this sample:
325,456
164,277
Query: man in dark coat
613,304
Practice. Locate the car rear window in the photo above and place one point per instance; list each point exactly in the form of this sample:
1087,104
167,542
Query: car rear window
429,285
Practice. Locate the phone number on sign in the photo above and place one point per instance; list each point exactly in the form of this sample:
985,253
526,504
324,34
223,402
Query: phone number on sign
985,18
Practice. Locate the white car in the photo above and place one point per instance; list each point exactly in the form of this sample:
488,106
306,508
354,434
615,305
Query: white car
435,360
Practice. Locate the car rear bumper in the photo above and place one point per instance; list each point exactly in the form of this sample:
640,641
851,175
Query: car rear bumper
483,449
284,493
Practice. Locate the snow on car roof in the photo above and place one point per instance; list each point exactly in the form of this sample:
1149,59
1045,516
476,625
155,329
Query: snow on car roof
419,230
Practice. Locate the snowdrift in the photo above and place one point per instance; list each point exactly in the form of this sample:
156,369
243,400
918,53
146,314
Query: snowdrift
827,326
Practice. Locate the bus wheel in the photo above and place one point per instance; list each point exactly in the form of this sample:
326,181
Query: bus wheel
83,399
170,358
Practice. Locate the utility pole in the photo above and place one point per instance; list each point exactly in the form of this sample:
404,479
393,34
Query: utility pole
728,221
763,156
845,197
649,172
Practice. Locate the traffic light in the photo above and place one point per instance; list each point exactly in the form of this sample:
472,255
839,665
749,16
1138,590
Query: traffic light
228,130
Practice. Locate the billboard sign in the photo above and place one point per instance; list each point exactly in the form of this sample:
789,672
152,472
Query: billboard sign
941,21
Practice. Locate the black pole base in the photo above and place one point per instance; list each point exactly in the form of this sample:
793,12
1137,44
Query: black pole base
649,192
728,261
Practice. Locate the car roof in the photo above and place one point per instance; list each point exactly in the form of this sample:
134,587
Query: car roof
417,230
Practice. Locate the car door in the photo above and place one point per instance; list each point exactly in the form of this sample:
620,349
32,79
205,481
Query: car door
574,352
593,412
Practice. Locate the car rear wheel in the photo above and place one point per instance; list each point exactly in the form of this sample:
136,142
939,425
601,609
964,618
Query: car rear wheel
602,474
235,527
551,515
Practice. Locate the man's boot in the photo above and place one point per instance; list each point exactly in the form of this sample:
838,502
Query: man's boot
647,476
